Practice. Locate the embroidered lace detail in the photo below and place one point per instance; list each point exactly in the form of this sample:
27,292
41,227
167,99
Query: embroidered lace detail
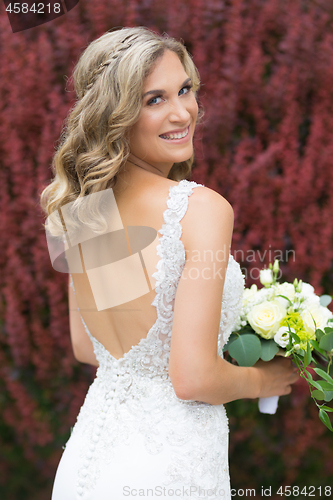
134,394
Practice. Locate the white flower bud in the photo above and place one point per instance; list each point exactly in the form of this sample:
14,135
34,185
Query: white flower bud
266,277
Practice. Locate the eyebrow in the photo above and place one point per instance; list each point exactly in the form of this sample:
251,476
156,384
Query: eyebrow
162,91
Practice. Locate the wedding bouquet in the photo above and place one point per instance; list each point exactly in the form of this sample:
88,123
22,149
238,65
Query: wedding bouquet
287,319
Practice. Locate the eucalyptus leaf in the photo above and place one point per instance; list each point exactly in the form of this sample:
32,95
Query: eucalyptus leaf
326,342
232,337
245,349
325,300
246,329
268,349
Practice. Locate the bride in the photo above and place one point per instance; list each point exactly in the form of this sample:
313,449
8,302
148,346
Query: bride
157,260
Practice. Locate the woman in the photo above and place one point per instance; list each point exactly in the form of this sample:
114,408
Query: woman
153,421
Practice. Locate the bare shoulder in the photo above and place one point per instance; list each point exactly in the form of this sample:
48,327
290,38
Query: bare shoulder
208,199
208,212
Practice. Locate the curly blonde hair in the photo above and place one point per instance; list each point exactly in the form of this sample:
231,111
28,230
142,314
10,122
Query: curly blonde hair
93,146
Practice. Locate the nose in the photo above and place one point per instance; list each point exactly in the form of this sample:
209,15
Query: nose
179,112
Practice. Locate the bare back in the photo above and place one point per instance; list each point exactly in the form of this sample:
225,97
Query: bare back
141,201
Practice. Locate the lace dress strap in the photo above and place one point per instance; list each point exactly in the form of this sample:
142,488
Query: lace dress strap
172,256
178,200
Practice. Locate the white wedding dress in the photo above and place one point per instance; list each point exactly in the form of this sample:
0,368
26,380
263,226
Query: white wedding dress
133,436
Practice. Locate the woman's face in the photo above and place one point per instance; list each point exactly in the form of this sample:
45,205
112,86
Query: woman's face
163,135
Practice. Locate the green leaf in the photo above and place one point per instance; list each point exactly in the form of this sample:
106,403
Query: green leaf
268,349
245,349
324,375
319,334
327,408
325,300
308,355
326,386
326,342
315,384
318,395
328,329
328,396
325,419
315,344
295,337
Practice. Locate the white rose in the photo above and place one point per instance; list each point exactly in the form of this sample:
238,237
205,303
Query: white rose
315,317
282,336
307,290
265,318
310,301
286,289
309,297
266,277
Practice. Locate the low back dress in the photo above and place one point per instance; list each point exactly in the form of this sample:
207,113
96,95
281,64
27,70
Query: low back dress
133,436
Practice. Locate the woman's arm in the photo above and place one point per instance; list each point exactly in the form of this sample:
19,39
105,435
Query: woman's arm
196,371
81,343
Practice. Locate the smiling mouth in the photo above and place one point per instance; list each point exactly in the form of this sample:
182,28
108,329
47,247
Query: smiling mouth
179,135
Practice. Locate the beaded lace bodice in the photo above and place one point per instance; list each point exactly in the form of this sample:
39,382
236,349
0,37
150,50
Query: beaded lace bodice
135,391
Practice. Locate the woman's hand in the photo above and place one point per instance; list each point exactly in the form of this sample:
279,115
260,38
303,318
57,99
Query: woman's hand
276,376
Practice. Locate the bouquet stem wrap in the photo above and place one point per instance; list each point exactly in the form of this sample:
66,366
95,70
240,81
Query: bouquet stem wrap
268,405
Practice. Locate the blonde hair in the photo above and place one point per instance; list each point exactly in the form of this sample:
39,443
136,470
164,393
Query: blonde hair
108,81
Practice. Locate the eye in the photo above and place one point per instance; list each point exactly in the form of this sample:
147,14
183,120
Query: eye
153,100
187,88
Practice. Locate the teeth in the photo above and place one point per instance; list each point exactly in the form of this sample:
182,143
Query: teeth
175,136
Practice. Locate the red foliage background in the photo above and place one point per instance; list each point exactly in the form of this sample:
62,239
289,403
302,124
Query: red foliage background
266,144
